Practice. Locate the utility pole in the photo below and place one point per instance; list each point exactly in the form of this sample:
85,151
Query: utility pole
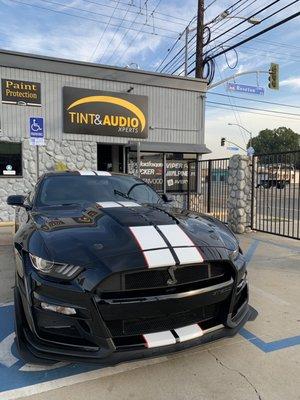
199,42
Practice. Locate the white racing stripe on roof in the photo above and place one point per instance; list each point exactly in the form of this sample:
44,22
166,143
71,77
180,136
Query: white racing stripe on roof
102,173
86,172
147,237
129,204
108,204
188,255
175,235
159,258
159,339
188,332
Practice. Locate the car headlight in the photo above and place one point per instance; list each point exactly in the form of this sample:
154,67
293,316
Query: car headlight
234,254
54,269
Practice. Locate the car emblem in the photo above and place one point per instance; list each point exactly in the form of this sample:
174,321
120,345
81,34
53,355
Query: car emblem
172,280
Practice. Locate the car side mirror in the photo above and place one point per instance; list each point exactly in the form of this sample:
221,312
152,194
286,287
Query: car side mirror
166,199
16,200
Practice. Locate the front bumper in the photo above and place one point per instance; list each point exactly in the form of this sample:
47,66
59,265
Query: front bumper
88,335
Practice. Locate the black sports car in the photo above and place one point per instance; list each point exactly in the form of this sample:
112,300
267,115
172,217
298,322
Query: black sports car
108,271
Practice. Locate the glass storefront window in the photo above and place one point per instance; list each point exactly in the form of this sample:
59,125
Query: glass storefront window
151,168
10,159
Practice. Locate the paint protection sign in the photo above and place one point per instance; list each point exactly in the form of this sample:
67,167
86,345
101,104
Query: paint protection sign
102,113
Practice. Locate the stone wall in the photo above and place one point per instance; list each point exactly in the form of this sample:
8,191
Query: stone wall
75,154
239,189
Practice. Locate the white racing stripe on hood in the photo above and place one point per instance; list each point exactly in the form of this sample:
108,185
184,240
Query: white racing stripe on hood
129,204
159,258
188,255
85,172
175,235
148,237
159,339
108,204
188,332
102,173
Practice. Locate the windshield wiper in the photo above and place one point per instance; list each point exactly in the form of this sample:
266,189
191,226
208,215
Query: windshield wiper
123,195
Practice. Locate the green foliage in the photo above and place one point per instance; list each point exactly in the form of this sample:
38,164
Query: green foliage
276,141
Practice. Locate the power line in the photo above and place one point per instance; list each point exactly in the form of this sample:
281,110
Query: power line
88,19
255,100
251,27
103,32
110,17
256,113
126,33
293,16
138,12
174,45
113,37
256,109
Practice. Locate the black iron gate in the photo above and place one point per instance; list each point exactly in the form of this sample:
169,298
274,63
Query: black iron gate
276,193
208,187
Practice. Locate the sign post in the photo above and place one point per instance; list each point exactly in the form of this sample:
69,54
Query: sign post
37,137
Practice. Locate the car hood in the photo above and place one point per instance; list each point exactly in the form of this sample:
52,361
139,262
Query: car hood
95,236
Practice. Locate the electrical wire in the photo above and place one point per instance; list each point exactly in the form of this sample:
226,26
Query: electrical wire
257,113
169,51
269,28
88,19
255,109
103,33
255,100
251,27
138,12
113,37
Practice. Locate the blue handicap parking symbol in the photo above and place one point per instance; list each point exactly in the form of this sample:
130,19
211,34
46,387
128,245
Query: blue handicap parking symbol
36,127
16,373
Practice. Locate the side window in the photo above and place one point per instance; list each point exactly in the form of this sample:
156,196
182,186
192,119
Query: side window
10,159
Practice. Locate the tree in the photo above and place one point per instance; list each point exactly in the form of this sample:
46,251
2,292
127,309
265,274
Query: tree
276,140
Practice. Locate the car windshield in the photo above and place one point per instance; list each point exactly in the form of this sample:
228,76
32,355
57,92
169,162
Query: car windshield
78,189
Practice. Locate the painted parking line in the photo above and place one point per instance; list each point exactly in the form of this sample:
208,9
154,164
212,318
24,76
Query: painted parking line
268,347
19,379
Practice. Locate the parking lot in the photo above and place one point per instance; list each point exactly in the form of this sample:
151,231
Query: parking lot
262,362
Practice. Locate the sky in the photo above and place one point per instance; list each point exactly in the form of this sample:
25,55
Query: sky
138,33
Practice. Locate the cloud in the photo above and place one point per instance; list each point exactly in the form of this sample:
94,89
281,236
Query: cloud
292,82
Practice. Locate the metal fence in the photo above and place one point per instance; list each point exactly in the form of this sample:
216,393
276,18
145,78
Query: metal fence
276,194
208,187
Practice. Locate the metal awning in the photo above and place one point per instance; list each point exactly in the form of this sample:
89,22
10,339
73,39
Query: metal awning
166,147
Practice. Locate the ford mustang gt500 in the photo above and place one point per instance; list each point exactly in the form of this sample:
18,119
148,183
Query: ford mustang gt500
108,271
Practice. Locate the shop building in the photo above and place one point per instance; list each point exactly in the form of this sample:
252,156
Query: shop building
59,114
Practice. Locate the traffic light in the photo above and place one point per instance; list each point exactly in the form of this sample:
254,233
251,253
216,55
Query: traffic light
223,141
274,76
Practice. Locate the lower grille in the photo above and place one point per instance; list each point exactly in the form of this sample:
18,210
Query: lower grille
173,321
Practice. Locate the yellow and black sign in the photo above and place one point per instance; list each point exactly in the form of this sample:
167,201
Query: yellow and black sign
105,113
16,92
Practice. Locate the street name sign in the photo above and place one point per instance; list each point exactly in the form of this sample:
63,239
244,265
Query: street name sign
237,87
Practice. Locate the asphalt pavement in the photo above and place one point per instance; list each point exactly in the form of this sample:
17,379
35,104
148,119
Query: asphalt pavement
260,363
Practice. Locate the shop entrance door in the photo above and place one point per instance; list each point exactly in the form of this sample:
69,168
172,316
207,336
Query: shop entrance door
110,157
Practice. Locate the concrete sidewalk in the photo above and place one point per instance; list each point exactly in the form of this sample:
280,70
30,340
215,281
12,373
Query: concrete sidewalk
263,362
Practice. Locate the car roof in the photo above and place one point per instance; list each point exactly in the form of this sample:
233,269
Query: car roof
82,173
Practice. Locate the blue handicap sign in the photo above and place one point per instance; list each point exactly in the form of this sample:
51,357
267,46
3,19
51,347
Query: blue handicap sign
36,127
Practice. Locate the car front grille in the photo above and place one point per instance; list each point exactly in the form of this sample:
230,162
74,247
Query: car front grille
134,303
160,277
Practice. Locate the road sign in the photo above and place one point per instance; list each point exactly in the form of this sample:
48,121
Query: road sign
37,131
237,87
232,148
250,151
